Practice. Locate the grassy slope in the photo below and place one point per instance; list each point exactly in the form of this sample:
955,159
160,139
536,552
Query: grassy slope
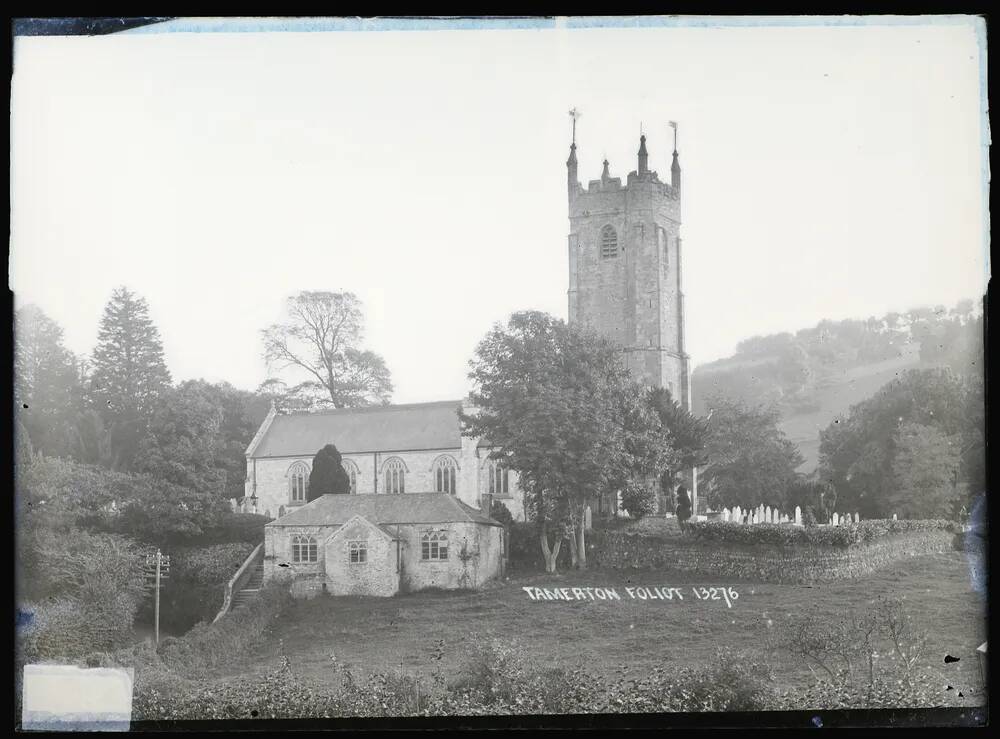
399,634
835,399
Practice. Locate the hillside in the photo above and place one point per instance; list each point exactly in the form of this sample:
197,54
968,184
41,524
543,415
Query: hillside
818,373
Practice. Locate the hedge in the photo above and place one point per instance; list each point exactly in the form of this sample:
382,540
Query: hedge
740,561
785,535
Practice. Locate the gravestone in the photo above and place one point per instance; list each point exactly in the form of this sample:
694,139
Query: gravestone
587,518
857,518
767,515
836,520
893,516
798,516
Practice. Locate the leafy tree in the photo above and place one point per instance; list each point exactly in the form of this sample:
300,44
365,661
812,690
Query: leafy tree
924,469
47,382
321,338
183,442
686,435
558,406
750,459
129,375
858,452
328,474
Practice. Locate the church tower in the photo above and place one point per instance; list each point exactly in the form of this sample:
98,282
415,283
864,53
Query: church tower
625,267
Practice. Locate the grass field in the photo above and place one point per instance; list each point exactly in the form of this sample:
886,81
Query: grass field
400,634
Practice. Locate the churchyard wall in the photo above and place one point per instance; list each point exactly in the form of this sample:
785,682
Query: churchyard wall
765,562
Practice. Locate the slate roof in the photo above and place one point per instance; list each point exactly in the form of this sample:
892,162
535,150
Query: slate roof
388,428
382,509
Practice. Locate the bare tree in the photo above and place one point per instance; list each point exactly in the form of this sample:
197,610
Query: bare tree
321,336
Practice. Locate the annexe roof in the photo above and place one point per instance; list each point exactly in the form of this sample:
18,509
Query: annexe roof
383,509
386,428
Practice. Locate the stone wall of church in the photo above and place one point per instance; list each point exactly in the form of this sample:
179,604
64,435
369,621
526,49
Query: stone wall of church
471,477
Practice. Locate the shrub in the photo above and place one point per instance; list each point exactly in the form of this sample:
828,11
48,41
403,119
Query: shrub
735,681
208,645
784,535
639,500
501,514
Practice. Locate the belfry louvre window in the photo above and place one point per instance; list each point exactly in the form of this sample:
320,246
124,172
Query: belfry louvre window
357,552
444,475
303,549
434,545
394,477
609,243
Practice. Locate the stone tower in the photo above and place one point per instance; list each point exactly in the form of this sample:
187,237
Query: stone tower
625,268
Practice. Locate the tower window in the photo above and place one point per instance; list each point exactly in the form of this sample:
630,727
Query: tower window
609,243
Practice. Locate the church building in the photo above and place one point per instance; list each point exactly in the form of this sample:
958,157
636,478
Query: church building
386,450
418,513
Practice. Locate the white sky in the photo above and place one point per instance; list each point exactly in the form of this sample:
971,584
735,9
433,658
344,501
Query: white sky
829,172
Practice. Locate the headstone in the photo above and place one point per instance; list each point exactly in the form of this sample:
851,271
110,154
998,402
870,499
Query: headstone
725,515
893,516
836,519
767,514
857,518
587,519
798,516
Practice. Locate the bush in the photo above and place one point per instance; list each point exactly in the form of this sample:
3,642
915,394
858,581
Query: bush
639,500
501,514
208,645
784,535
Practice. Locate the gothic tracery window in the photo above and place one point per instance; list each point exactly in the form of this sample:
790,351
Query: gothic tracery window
352,472
434,545
444,475
304,549
394,477
609,243
298,474
499,480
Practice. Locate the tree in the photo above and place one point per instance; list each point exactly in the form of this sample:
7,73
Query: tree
687,436
558,405
47,382
328,474
129,375
321,337
750,459
183,442
924,470
857,452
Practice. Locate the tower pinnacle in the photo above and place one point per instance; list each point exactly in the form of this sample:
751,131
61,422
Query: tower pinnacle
643,155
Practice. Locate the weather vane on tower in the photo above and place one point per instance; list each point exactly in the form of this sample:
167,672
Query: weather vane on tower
574,114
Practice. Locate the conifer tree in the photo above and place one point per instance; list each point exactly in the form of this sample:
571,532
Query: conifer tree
328,474
129,374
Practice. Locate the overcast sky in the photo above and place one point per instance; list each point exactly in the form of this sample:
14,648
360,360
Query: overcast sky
829,172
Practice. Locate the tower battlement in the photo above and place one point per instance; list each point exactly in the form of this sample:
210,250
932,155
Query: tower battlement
625,267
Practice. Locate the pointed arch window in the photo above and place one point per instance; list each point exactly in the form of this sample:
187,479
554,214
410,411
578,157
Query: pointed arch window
444,474
304,549
609,242
352,473
394,477
298,476
499,484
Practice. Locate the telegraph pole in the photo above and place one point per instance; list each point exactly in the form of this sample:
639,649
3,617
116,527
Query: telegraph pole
157,570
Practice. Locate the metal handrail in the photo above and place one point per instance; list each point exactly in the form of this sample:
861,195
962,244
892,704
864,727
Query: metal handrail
240,573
